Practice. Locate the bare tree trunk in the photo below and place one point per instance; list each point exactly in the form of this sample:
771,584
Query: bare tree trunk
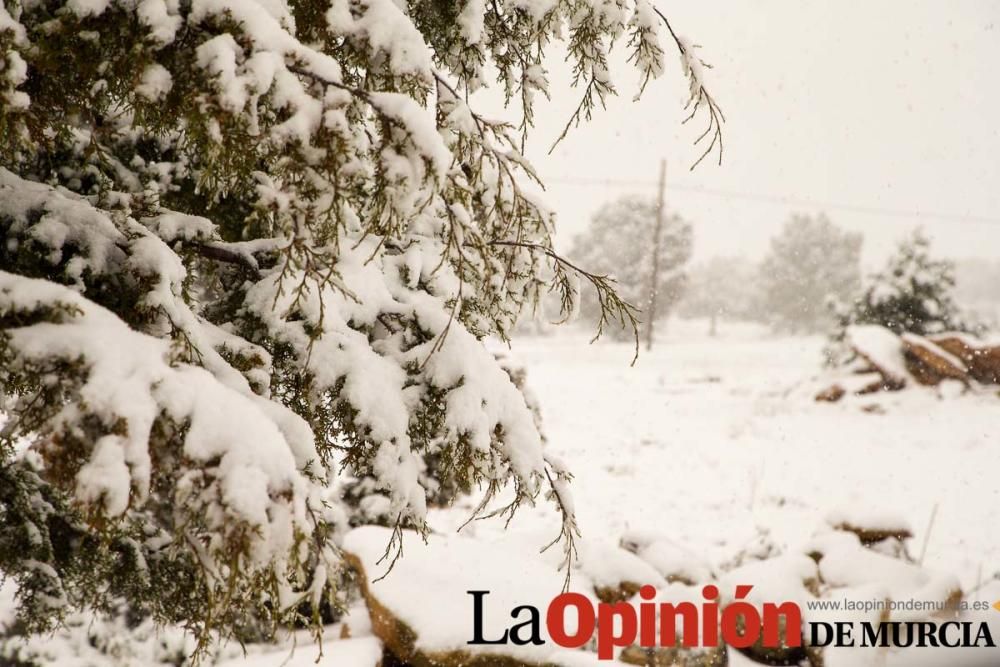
654,282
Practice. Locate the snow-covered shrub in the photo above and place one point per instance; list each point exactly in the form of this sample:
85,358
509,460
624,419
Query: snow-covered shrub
248,244
619,244
913,293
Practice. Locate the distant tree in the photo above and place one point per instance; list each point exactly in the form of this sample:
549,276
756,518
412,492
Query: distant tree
618,244
812,264
721,288
912,293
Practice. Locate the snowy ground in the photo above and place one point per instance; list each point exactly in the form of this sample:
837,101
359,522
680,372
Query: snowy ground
718,444
714,441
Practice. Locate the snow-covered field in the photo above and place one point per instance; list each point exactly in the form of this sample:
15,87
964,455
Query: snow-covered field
715,443
718,441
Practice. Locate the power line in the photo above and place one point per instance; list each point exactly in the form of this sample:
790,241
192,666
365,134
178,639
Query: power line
784,200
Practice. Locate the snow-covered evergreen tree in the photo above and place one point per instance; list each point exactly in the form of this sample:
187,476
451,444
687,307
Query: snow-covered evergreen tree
812,264
618,244
912,293
246,243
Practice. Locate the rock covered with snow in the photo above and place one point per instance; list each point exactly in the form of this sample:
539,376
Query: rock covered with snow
615,573
981,357
847,567
930,364
889,362
870,524
421,608
671,560
880,348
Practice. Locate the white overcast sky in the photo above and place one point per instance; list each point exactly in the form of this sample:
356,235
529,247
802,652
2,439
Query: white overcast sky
888,104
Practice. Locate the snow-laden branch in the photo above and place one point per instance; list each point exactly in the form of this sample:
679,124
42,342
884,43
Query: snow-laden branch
248,246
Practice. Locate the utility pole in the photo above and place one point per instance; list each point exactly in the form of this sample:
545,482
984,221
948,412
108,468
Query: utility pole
654,281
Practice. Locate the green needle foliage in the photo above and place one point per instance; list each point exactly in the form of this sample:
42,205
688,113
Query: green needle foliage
250,247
